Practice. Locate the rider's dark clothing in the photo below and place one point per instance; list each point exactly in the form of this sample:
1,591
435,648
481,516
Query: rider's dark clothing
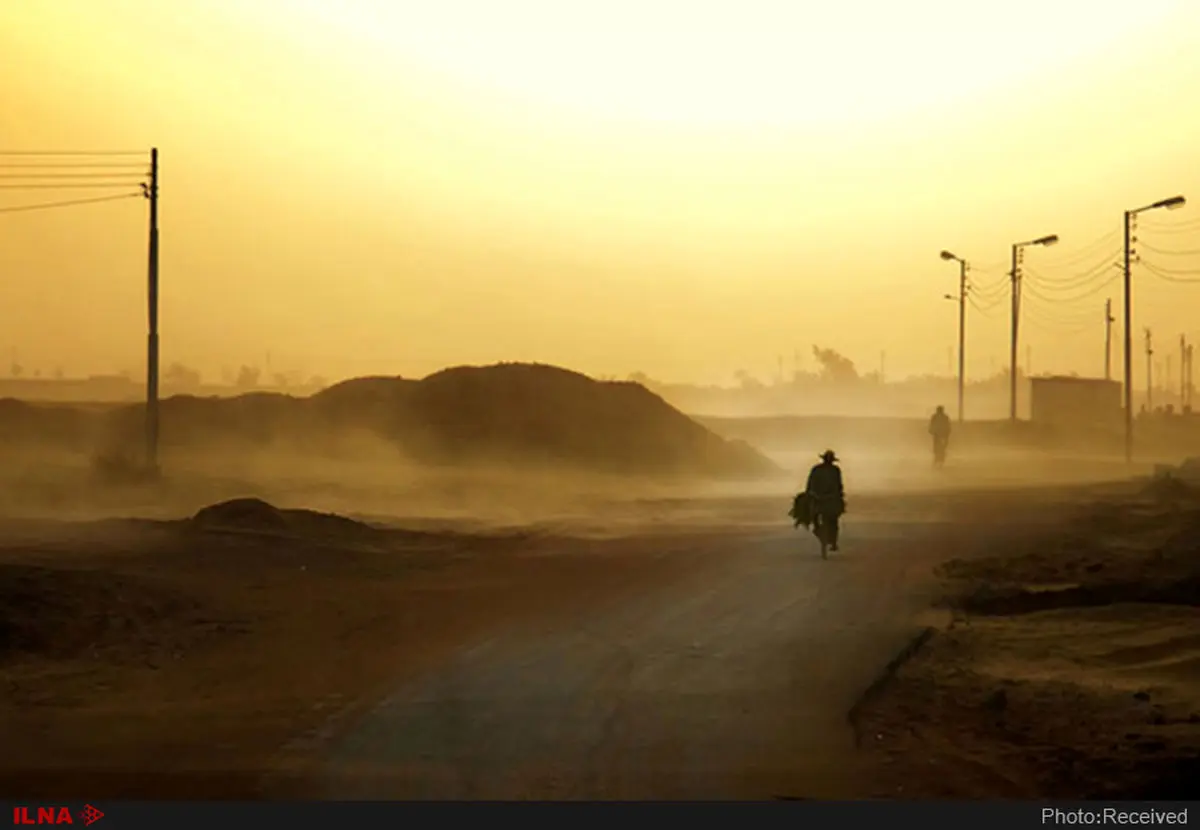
828,497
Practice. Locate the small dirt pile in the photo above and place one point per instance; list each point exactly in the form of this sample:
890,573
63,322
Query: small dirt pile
251,515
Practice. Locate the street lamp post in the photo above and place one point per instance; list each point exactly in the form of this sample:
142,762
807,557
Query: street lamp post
1170,204
962,324
1015,282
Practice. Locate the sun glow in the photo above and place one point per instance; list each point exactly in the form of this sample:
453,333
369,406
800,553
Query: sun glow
751,62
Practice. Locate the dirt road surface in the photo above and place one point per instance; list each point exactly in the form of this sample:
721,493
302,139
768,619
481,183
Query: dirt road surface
731,683
681,649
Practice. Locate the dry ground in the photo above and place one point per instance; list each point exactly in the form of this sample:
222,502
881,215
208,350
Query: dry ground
161,660
201,659
1072,668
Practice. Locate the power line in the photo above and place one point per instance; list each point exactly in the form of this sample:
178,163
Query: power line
54,165
1078,279
1192,252
1091,292
39,176
985,310
64,186
1154,266
69,203
72,152
1171,275
1190,226
1084,252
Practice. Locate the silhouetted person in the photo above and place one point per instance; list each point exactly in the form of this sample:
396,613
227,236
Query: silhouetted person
827,498
939,428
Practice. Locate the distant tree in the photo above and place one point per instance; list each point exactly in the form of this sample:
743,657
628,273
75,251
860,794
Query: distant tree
247,377
746,380
17,369
835,366
282,381
182,376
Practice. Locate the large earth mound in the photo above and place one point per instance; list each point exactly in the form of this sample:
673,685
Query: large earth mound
509,414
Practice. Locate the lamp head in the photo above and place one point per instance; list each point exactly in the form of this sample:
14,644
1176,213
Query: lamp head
1052,239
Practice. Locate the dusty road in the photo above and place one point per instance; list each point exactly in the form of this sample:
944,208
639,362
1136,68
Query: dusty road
695,650
732,683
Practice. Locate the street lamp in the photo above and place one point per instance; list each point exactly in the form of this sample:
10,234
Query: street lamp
1169,204
962,323
1015,282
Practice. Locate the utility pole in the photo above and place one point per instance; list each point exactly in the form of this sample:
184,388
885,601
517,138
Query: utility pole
1149,371
962,325
1015,289
962,335
150,191
1182,370
1191,386
1108,321
1167,204
1164,375
1128,323
1015,282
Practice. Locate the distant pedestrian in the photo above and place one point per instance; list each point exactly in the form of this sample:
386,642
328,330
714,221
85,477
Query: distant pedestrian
939,428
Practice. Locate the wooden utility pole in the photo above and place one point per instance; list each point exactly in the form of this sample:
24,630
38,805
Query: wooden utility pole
1108,323
150,190
1149,371
1191,385
1014,281
1182,370
1127,334
962,336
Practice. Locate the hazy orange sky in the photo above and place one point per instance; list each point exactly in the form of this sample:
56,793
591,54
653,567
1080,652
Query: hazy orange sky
682,188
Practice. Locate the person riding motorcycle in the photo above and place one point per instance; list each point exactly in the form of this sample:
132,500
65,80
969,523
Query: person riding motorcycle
827,497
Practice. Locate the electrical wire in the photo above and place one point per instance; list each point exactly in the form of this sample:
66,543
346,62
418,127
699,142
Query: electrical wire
43,186
1165,252
1190,226
69,203
989,287
1171,274
74,152
69,165
42,176
1058,327
1079,280
1081,254
1064,301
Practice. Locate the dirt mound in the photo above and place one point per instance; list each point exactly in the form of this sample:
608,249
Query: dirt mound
63,612
1075,675
253,515
546,415
1096,704
511,415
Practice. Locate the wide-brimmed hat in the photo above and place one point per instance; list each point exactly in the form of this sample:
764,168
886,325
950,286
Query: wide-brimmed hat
829,455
